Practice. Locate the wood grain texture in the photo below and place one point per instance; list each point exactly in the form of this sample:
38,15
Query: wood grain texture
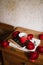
14,56
6,26
5,30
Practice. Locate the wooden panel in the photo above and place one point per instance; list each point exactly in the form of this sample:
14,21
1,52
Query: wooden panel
13,59
6,26
14,56
5,30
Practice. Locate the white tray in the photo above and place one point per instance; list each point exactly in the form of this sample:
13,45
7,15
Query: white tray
34,40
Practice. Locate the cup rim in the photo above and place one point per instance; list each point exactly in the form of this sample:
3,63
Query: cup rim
22,34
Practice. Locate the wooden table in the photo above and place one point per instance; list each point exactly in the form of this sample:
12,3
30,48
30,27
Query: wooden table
12,56
5,31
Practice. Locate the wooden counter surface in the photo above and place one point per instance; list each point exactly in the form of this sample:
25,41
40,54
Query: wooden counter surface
14,56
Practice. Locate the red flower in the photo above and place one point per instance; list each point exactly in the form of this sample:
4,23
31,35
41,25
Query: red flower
40,49
41,36
23,40
33,55
4,43
15,34
30,45
30,36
